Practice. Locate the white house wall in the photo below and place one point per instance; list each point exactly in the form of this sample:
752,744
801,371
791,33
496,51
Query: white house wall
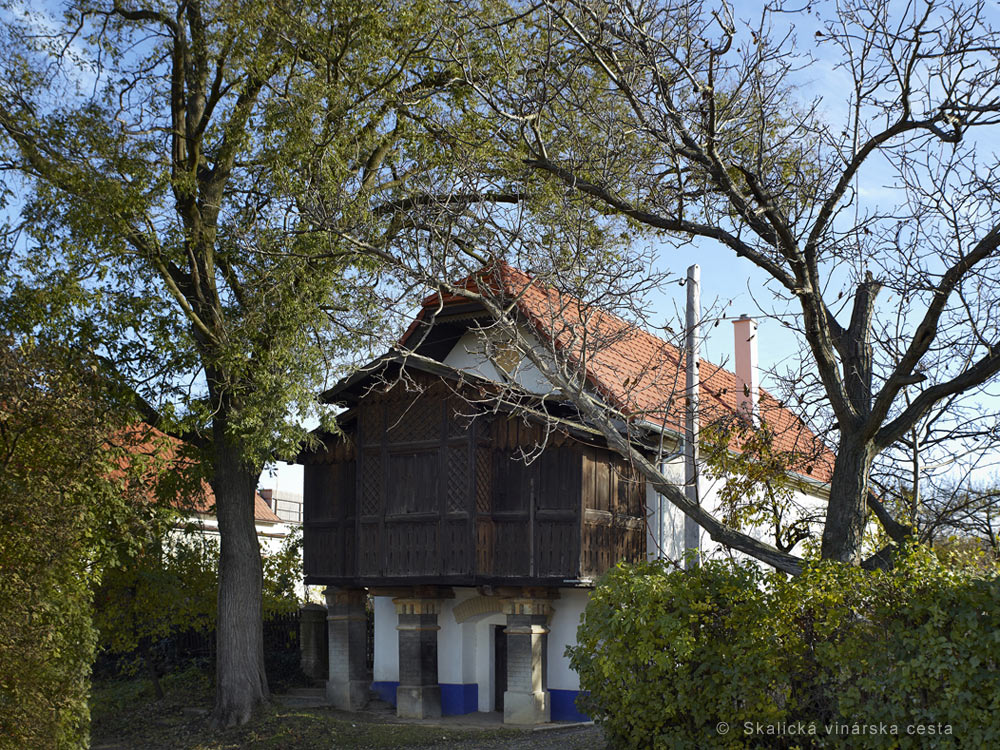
270,535
668,518
469,355
466,669
385,670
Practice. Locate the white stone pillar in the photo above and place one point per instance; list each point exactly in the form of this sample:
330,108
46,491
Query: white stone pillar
526,700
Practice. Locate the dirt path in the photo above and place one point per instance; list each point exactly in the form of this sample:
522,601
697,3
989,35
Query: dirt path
571,738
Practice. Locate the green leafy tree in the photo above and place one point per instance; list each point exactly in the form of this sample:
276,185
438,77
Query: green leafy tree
167,586
758,489
209,189
67,510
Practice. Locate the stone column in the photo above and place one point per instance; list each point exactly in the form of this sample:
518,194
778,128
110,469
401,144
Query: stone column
313,641
526,701
349,682
419,694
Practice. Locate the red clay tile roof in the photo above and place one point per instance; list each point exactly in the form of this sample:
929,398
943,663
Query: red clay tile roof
168,452
635,372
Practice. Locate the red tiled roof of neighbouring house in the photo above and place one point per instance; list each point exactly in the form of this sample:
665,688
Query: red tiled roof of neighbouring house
195,496
637,373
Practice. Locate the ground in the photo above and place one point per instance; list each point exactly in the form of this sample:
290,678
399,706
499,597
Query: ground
125,716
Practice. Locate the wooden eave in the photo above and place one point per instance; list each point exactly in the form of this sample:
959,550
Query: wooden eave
352,388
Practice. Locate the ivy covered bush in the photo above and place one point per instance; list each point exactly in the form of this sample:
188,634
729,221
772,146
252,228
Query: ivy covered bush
64,514
727,655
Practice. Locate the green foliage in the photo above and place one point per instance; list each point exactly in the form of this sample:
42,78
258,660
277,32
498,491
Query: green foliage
170,585
282,576
650,635
66,509
234,257
667,655
757,491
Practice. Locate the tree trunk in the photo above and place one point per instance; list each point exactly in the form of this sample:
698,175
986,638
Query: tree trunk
846,512
241,683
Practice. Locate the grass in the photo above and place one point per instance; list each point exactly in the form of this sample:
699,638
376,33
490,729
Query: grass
126,715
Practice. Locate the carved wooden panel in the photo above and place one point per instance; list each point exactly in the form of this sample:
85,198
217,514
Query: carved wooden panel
412,482
556,548
350,541
484,547
456,553
369,549
370,422
415,417
514,482
559,479
321,545
609,538
511,555
457,414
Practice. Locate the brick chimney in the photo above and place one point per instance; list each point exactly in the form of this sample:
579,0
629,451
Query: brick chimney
267,495
747,376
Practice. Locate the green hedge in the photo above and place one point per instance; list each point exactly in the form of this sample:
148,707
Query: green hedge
836,657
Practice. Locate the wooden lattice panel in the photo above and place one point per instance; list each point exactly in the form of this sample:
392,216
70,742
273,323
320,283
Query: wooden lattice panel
413,419
457,416
458,478
371,484
371,425
484,478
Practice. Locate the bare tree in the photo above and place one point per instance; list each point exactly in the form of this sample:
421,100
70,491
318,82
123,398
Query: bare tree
689,122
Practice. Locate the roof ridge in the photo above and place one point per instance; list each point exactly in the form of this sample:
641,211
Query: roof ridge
638,372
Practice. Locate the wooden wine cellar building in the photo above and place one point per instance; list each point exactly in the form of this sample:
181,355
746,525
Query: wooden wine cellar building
415,492
473,527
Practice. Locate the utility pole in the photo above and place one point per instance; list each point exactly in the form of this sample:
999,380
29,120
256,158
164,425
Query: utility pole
692,351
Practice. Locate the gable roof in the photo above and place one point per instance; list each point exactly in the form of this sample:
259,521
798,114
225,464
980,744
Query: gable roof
169,454
635,372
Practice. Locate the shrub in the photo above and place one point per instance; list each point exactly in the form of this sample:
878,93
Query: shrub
668,655
63,510
167,591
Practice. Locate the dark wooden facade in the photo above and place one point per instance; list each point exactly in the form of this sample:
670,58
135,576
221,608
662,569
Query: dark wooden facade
415,492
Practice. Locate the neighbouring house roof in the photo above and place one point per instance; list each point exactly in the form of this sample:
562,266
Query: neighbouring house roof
635,372
193,496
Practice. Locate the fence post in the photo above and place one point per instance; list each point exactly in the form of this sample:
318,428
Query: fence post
313,640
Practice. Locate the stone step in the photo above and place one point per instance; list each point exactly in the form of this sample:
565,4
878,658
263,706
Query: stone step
300,701
306,692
